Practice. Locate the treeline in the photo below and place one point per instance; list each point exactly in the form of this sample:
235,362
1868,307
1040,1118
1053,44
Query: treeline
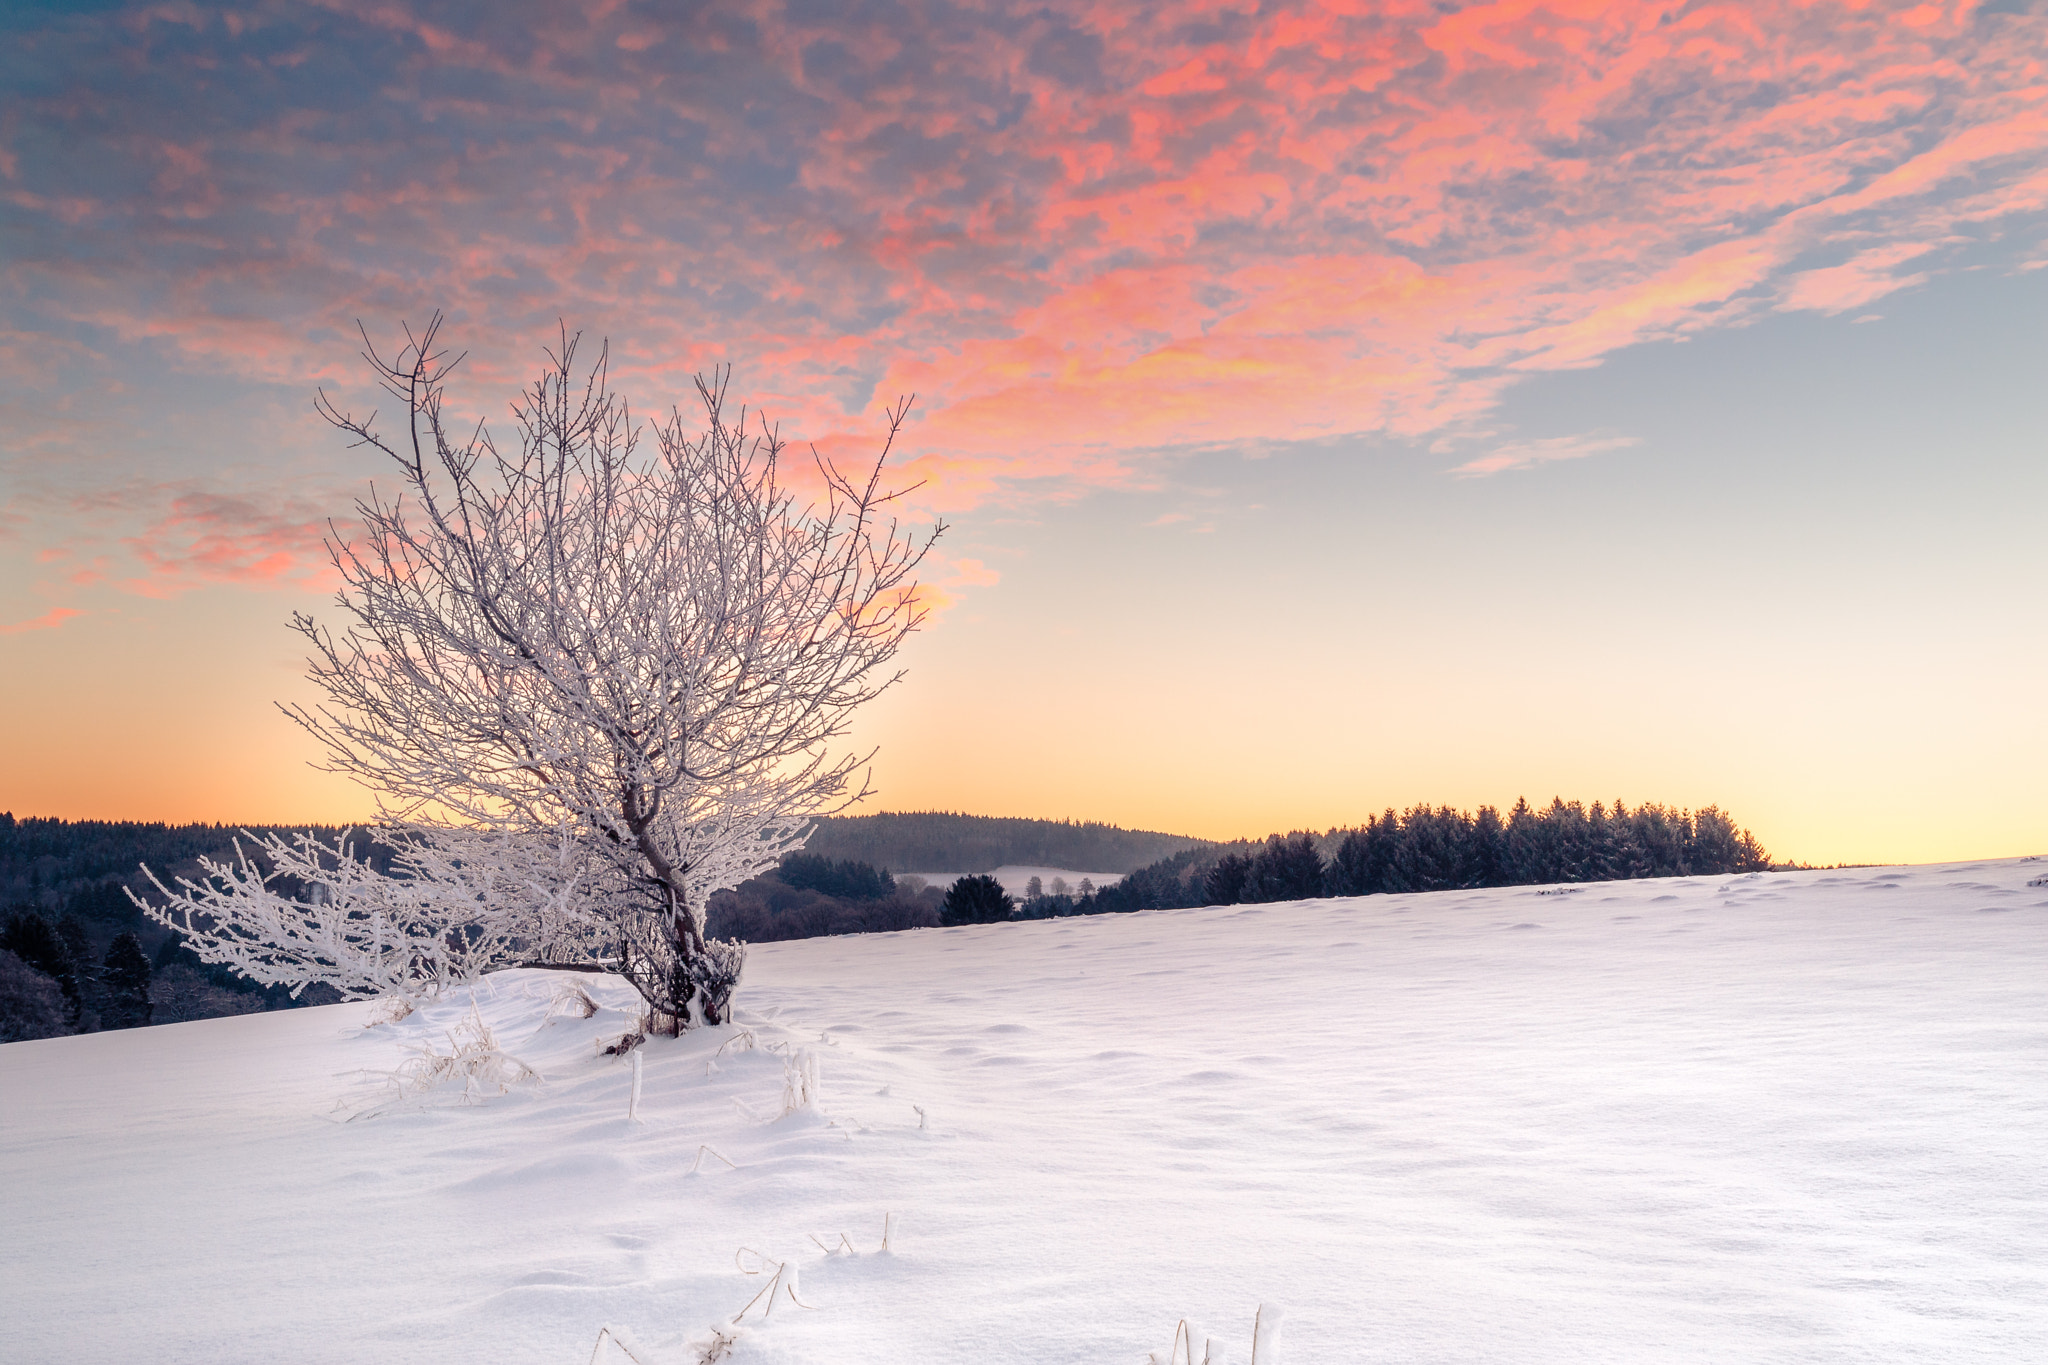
813,896
76,956
1426,848
1442,849
945,841
43,860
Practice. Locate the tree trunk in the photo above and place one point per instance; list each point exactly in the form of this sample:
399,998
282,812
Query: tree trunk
685,979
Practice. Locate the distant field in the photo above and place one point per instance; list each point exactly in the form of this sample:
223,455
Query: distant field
1016,879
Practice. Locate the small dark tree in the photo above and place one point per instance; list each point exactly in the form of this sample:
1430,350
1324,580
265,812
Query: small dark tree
976,900
126,979
1225,883
1752,854
31,938
31,1006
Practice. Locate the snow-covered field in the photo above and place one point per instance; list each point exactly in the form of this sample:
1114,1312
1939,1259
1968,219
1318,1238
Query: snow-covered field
1016,877
1770,1119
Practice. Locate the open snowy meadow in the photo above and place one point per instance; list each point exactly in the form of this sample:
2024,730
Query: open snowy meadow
1779,1118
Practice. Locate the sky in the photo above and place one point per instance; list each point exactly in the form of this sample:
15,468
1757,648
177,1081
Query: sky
1333,407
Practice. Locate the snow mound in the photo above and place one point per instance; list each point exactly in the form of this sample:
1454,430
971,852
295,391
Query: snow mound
1777,1118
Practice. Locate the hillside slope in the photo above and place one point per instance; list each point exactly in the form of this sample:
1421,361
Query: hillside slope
1778,1118
913,840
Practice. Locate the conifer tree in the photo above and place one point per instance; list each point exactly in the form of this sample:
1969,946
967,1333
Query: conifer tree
126,978
1286,869
1346,874
1224,884
1488,858
978,899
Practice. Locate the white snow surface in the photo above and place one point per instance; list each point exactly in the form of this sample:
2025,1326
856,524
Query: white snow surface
1778,1118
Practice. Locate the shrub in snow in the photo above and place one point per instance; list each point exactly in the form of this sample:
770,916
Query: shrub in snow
472,1059
648,656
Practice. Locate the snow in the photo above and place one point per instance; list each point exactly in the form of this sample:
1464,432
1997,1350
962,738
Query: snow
1781,1118
1015,877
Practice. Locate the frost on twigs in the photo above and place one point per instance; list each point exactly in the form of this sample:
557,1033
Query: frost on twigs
781,1283
715,1345
471,1069
572,1000
845,1243
446,906
799,1086
657,651
626,1043
799,1081
705,1149
607,1337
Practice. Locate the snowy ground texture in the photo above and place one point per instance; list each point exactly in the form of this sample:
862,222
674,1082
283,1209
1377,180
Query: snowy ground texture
1770,1119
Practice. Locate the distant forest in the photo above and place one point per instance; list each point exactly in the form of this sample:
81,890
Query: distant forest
74,952
1423,849
64,914
1442,849
941,841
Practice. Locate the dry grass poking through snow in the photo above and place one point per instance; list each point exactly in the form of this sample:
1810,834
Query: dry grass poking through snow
471,1068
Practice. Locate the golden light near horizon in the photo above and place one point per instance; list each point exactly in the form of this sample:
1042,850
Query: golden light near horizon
1336,407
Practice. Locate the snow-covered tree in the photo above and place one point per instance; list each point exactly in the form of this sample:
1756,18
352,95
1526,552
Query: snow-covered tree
294,910
651,654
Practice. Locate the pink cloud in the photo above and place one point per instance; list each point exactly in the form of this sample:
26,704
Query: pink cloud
1080,233
49,620
1864,278
1529,454
217,538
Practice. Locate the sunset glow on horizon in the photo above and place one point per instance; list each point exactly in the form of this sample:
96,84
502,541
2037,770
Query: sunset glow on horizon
1336,406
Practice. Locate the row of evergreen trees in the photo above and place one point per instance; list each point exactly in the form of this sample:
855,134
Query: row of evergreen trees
1442,849
43,860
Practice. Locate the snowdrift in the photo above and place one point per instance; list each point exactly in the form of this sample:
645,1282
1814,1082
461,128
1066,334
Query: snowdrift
1777,1118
